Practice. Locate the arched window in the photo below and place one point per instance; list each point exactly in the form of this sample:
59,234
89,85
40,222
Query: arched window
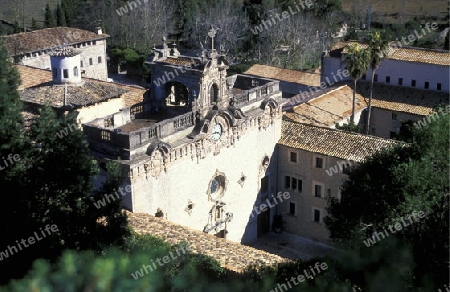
75,71
214,93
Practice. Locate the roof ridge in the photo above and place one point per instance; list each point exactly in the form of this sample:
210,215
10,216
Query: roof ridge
287,119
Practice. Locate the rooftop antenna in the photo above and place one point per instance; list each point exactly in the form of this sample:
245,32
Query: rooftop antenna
65,94
165,21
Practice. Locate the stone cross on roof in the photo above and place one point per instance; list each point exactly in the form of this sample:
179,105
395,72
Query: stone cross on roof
212,34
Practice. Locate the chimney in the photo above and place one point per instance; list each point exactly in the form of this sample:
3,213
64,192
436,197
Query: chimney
99,30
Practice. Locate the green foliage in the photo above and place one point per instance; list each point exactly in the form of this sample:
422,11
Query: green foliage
238,68
406,131
60,16
323,7
52,184
71,9
131,59
34,25
143,242
11,123
349,127
49,17
386,266
114,270
357,60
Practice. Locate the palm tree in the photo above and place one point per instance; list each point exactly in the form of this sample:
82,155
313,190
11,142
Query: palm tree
378,49
357,61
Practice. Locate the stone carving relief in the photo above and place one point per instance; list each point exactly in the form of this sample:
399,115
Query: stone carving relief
159,159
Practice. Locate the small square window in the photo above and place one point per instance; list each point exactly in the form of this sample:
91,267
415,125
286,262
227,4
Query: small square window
81,64
318,191
105,135
66,73
394,116
287,182
439,86
90,61
316,215
413,83
292,208
99,60
293,157
427,85
319,162
400,81
218,213
300,185
388,79
375,77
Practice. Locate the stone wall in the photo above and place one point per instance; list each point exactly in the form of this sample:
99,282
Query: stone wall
185,175
230,255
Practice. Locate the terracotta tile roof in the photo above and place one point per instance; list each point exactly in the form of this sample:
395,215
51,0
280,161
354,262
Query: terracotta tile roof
288,75
133,95
403,99
328,108
48,38
65,52
30,76
33,77
231,255
332,142
342,46
410,54
77,96
436,57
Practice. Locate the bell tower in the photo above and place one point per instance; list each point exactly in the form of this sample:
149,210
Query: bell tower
213,86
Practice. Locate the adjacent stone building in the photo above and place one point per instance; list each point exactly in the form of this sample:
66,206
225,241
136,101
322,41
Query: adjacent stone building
34,48
66,92
403,66
394,105
313,162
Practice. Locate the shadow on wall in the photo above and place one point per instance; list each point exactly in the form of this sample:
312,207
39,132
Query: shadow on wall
260,218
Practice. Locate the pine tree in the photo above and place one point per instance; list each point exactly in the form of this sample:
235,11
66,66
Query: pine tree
60,16
11,122
49,17
34,25
51,183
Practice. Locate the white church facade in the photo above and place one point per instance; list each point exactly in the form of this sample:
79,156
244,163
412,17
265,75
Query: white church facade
205,160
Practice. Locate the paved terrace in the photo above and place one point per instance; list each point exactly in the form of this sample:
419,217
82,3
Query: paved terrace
231,255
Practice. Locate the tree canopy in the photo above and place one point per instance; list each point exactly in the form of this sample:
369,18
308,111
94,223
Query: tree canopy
50,170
